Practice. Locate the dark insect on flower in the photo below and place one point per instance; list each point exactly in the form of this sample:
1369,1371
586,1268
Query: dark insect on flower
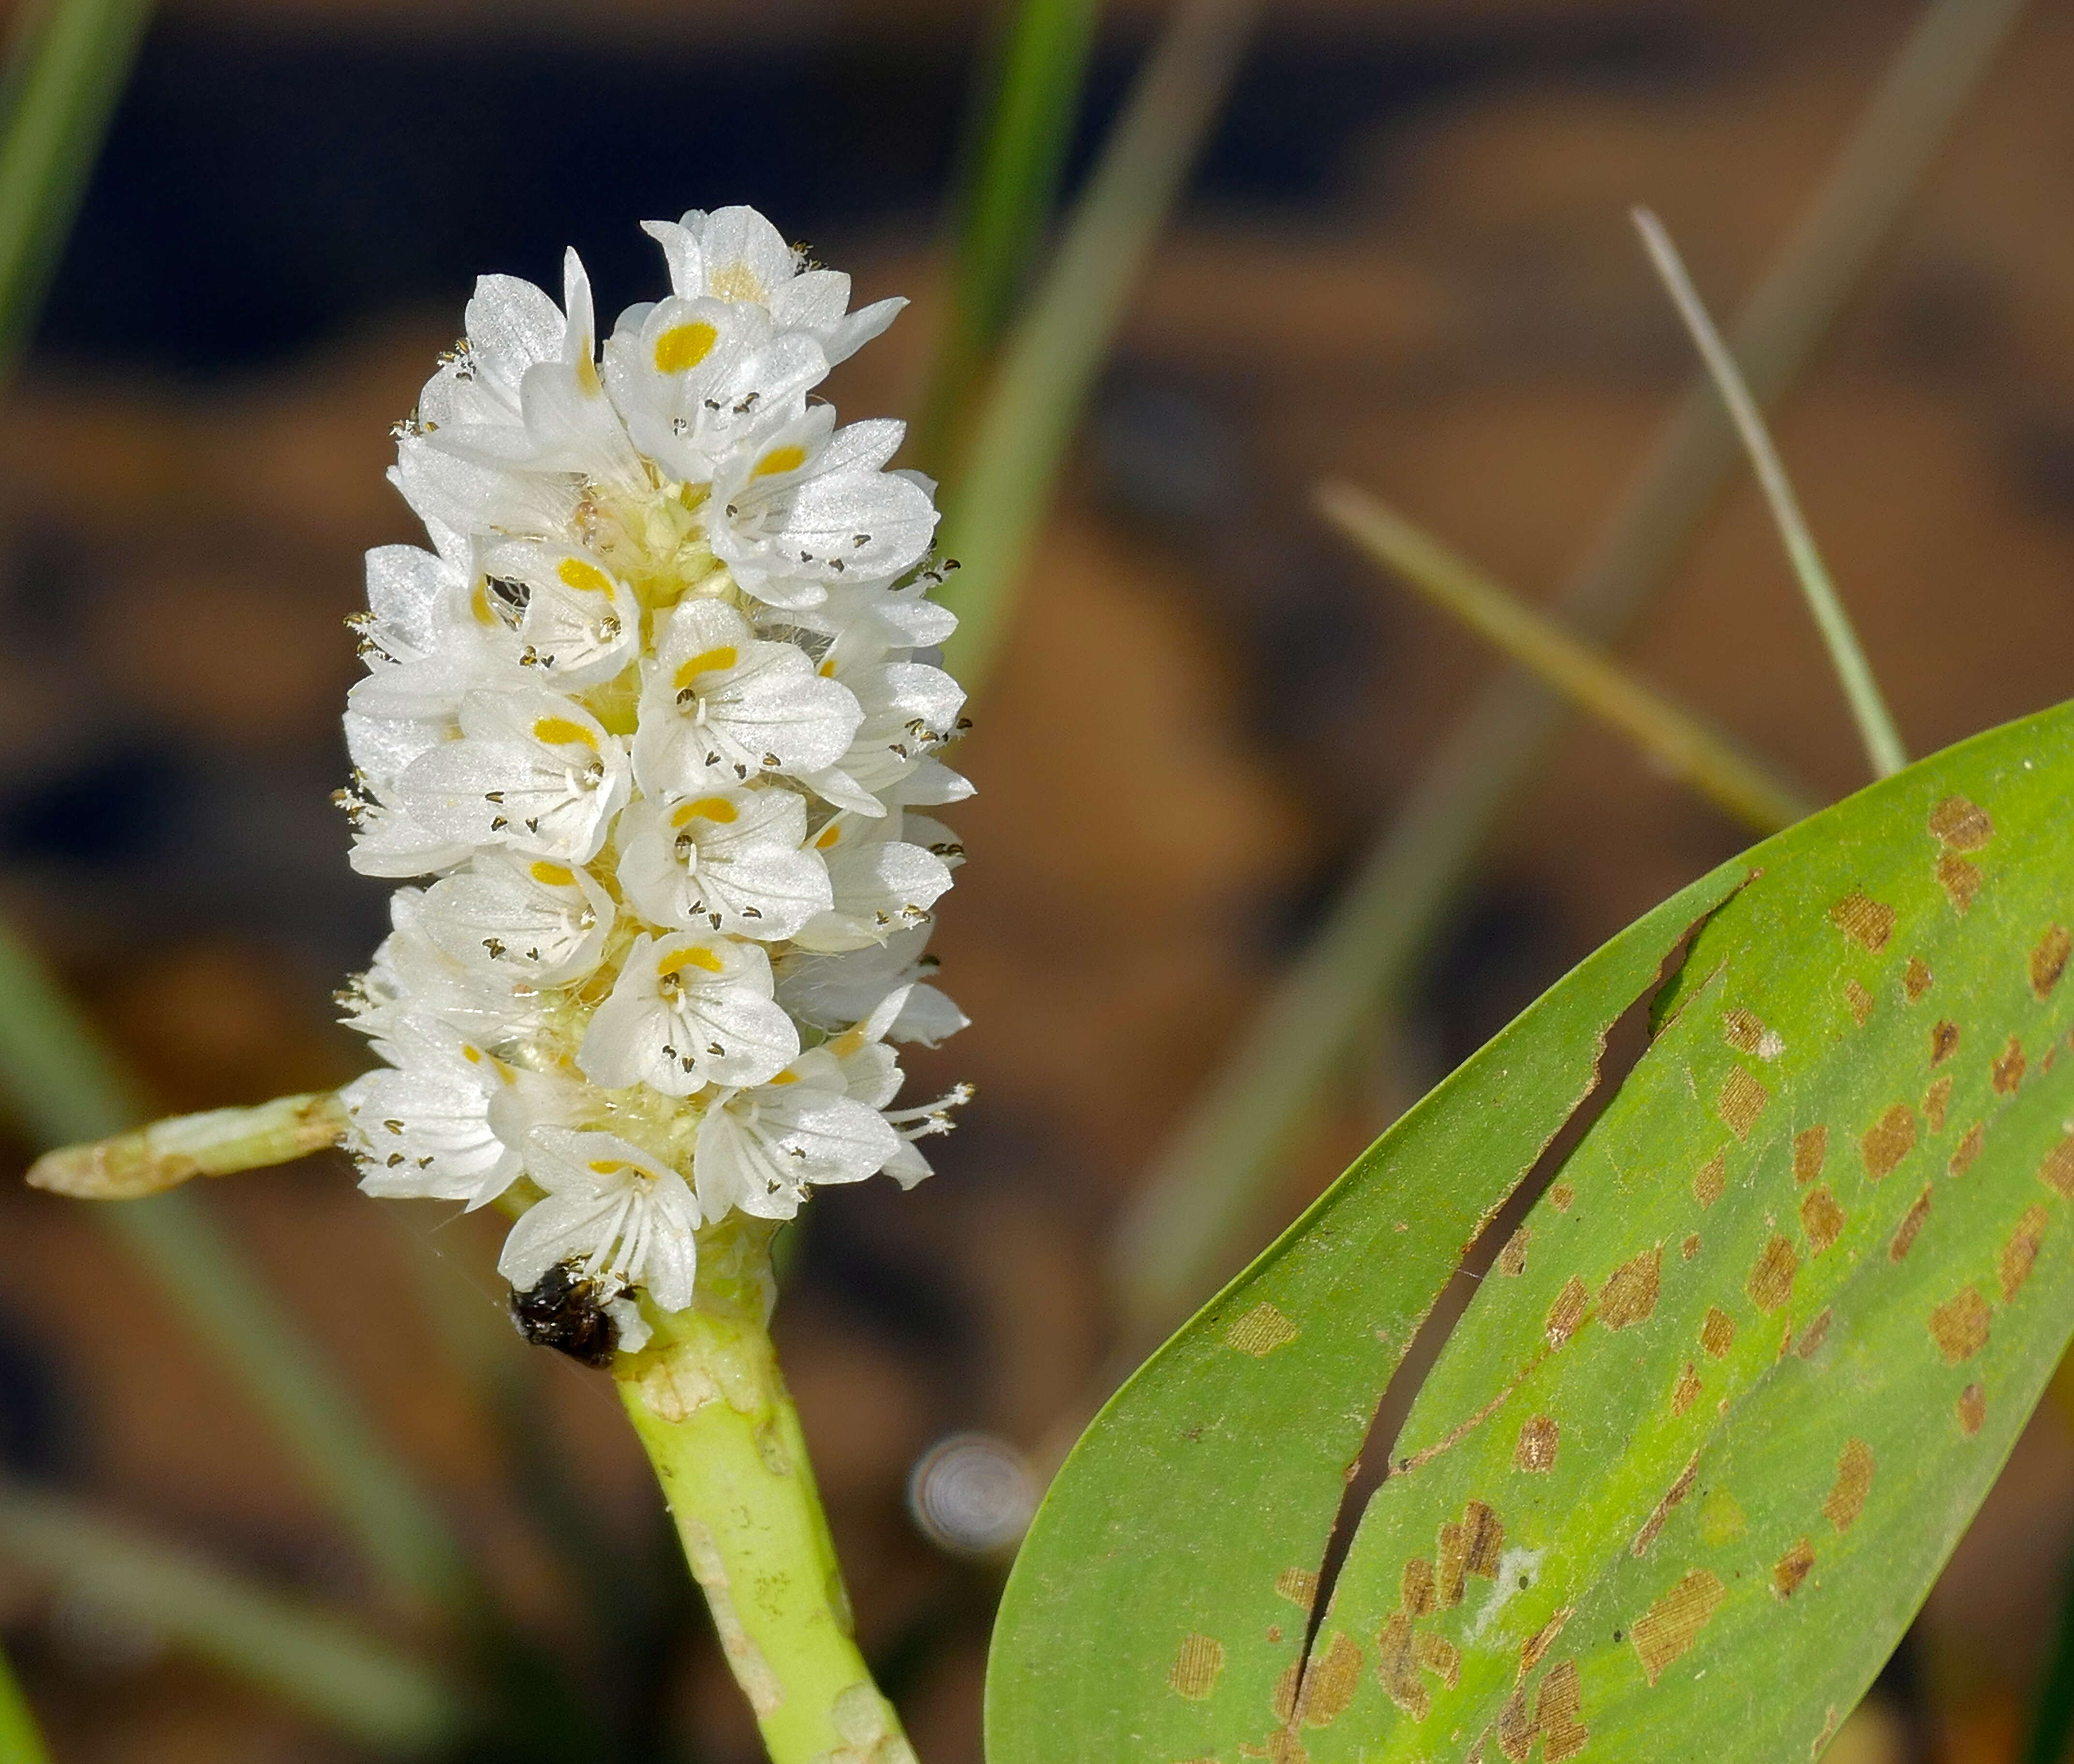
563,1310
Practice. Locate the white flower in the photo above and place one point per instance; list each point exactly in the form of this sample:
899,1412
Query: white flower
651,720
719,705
805,507
687,1011
532,769
736,254
422,1128
625,1218
534,921
727,860
762,1148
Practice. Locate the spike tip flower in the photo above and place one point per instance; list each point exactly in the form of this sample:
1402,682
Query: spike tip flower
648,728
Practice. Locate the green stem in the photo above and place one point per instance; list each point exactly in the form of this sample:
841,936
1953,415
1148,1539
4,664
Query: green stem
20,1741
1677,738
69,64
713,1412
1050,362
1846,653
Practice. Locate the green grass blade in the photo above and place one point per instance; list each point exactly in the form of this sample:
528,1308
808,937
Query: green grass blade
1847,655
1196,1213
64,1084
70,61
20,1741
1049,363
1021,124
308,1657
1676,737
1724,1402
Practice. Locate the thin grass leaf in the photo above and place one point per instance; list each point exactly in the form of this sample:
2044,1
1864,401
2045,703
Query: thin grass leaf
69,62
20,1740
1048,365
306,1656
1847,655
64,1084
1196,1213
1021,124
1678,738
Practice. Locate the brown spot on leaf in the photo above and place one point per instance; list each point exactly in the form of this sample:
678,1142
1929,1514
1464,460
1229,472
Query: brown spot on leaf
1686,1391
1968,1149
1567,1312
1561,1196
1961,1326
1770,1283
1888,1141
1972,1409
1829,1732
1741,1100
1690,1247
1811,1149
1935,1100
1960,880
1288,1684
1742,1031
1668,1628
1959,825
1911,1222
1299,1586
2057,1172
2007,1070
1812,1337
1717,1331
1915,978
1537,1441
1195,1667
2048,961
1792,1568
2020,1254
1515,1727
1415,1591
1556,1711
1399,1668
1821,1218
1330,1682
1484,1538
1863,920
1452,1552
1512,1258
1859,1000
1846,1498
1665,1507
1440,1657
1261,1331
1630,1294
1537,1645
1943,1041
1710,1179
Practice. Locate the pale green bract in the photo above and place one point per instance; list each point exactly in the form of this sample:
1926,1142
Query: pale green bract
1722,1407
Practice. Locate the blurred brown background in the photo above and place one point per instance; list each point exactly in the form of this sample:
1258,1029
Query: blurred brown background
1405,260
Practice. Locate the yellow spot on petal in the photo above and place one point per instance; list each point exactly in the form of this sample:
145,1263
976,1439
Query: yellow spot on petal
683,346
559,731
710,661
697,955
780,459
553,875
788,1076
830,835
717,808
586,577
734,281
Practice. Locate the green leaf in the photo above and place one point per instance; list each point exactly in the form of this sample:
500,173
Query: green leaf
1698,1445
20,1740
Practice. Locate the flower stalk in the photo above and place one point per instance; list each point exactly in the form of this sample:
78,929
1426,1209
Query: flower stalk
712,1410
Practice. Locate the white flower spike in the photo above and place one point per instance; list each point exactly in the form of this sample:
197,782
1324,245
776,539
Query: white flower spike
649,721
